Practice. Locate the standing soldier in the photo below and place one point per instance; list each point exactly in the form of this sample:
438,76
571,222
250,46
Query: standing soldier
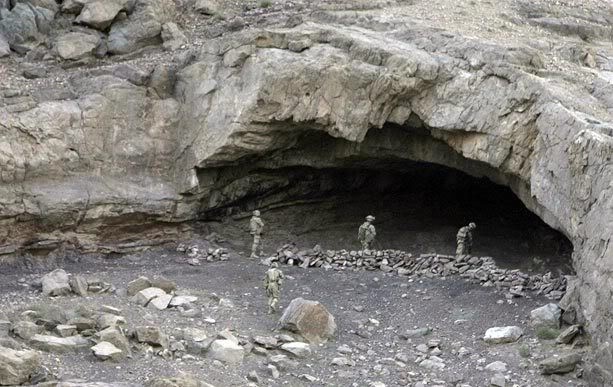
272,284
256,226
465,239
367,233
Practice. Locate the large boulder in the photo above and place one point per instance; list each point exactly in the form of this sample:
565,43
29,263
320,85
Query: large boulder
547,316
226,351
76,45
100,14
56,283
560,364
142,28
310,319
16,367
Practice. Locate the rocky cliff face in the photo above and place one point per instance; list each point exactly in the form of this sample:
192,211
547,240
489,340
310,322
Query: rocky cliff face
114,157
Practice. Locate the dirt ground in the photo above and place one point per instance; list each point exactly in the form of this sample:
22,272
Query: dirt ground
457,311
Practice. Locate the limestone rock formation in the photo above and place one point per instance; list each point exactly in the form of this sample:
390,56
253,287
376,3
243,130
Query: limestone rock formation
110,163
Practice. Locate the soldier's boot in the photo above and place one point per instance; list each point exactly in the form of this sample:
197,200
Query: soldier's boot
254,248
273,305
271,308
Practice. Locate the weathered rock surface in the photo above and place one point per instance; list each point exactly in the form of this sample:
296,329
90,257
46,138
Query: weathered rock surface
310,319
142,28
183,381
16,367
145,296
76,45
115,337
27,329
151,335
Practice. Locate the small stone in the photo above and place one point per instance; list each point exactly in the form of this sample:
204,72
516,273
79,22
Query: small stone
161,302
66,330
182,300
266,341
501,335
498,381
423,348
344,349
416,333
56,283
105,351
341,361
163,283
151,335
274,372
297,349
497,366
143,297
253,376
78,285
110,310
226,351
137,285
27,329
432,363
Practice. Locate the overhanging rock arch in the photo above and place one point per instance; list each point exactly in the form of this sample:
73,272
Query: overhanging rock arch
258,93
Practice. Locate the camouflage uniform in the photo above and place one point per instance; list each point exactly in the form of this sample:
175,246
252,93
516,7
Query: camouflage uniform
272,284
256,226
464,239
367,233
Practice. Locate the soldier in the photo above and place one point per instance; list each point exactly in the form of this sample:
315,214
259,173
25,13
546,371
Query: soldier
272,284
256,226
367,233
465,239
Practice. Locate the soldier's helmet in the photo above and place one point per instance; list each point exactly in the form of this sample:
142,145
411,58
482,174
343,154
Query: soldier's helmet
370,218
256,213
472,225
274,264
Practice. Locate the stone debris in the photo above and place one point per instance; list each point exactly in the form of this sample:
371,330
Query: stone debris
310,319
478,269
547,316
78,285
560,364
498,380
109,320
226,351
180,381
196,254
501,335
16,367
107,351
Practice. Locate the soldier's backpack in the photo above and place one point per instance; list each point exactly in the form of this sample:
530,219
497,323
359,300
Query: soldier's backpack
362,232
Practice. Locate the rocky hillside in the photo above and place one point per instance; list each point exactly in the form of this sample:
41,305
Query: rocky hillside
120,120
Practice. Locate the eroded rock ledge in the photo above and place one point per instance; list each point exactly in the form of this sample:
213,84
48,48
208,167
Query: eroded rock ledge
320,96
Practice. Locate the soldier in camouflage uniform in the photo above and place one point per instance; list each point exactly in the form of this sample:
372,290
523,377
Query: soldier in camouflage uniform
256,226
464,239
272,284
367,233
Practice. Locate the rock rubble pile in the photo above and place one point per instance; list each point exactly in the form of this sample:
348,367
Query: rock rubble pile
479,269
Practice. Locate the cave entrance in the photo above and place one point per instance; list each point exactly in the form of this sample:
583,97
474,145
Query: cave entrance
418,208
